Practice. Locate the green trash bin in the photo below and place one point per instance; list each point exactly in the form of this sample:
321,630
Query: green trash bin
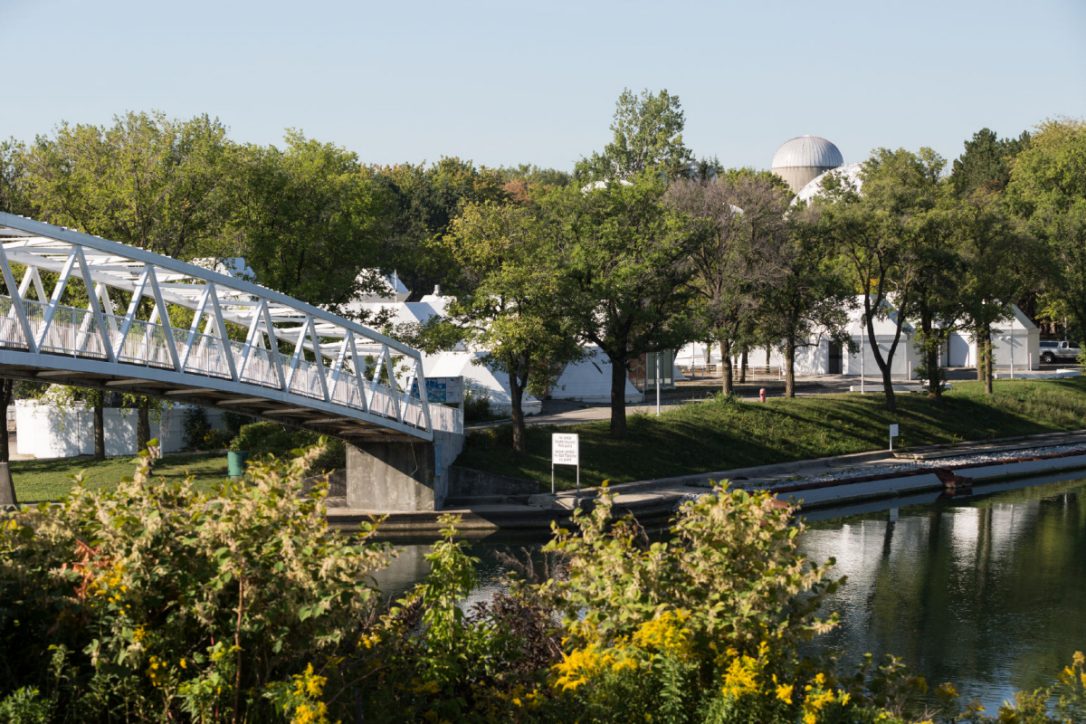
235,463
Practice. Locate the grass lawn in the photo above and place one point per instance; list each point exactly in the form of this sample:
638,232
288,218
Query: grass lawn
719,435
37,480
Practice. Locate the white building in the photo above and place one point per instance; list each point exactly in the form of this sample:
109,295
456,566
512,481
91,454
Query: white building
589,380
1015,342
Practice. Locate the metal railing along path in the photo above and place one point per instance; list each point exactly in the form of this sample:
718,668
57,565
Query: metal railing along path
84,310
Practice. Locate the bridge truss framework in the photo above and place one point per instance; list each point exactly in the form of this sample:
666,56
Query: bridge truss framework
83,310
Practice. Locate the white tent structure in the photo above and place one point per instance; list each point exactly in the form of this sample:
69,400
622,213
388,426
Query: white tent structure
589,380
1016,342
479,379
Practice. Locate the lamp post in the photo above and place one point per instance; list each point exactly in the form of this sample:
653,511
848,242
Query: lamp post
656,357
863,354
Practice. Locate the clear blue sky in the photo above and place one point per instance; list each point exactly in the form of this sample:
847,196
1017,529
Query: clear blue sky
507,82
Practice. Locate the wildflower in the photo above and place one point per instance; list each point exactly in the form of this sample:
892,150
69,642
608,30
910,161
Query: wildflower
1079,659
309,683
579,665
784,693
665,633
741,677
138,634
184,664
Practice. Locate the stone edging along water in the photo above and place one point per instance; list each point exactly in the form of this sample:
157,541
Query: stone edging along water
825,483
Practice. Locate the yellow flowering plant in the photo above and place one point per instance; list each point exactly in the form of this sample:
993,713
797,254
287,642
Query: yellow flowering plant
167,602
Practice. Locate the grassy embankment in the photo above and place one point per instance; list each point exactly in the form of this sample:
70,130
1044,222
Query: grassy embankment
38,480
721,435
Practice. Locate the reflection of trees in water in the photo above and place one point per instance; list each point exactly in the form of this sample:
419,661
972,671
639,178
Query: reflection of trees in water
988,595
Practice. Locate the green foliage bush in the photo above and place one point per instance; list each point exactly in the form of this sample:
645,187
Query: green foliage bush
196,428
269,438
477,407
154,602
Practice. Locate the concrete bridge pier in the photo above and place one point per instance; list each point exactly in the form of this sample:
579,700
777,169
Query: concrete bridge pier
389,477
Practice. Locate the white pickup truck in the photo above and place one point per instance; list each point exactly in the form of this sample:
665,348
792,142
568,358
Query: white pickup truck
1063,351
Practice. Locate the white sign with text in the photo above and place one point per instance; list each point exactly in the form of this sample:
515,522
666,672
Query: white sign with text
565,449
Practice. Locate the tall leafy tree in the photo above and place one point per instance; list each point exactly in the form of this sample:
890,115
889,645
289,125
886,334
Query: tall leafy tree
422,202
742,212
515,309
985,238
804,293
877,234
12,198
307,219
1048,189
647,135
145,180
985,163
628,273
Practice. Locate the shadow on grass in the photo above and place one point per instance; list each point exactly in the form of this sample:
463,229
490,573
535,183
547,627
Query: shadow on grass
723,434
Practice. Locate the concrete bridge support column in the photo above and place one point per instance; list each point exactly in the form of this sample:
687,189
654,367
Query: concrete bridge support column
400,476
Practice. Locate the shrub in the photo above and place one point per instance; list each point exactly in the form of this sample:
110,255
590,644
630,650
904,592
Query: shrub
269,438
154,601
695,623
196,428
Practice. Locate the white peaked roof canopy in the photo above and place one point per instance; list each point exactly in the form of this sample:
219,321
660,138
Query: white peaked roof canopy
479,378
850,174
231,266
389,287
589,379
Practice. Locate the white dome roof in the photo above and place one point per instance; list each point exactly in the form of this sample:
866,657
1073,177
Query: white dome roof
850,174
806,152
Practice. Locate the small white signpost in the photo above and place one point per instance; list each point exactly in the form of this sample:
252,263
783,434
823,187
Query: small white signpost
894,431
565,450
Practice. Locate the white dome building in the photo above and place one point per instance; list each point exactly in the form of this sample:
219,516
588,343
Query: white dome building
799,160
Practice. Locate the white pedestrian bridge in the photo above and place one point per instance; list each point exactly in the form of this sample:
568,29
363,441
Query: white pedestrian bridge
81,310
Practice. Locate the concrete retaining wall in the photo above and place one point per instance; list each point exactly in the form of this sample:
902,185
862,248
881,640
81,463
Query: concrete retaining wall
469,483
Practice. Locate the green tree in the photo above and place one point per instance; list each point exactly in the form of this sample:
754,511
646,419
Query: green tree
647,135
743,212
985,164
627,273
12,170
985,237
307,219
804,293
146,180
515,309
1048,189
423,200
877,233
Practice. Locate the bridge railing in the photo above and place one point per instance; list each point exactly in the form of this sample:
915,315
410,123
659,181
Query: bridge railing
74,332
304,360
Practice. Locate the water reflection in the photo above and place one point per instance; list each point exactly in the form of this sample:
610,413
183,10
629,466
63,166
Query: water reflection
987,594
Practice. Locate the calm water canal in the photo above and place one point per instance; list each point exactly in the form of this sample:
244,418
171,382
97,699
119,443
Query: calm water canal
988,593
